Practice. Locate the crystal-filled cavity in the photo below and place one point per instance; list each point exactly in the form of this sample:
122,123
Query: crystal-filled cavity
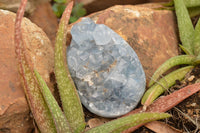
106,71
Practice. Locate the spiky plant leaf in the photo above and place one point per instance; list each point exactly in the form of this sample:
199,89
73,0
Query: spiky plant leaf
186,29
184,49
121,124
61,123
194,11
188,3
196,42
192,3
152,93
174,61
35,99
69,97
197,60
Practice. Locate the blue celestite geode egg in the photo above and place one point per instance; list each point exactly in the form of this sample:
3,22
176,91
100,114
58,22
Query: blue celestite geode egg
106,71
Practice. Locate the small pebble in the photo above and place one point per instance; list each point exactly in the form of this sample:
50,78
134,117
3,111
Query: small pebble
191,78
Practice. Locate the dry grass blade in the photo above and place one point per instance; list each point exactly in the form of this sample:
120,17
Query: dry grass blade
161,127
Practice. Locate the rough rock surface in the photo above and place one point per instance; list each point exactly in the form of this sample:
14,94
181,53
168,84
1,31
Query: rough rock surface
97,5
45,18
151,33
14,110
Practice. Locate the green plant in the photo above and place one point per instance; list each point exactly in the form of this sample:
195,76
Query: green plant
193,6
77,12
165,103
58,8
46,111
190,39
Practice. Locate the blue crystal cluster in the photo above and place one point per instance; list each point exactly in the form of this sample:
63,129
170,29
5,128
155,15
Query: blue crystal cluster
106,71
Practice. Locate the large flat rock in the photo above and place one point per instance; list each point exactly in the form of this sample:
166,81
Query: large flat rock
14,110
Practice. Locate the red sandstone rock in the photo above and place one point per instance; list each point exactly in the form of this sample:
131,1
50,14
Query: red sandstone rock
151,33
12,5
14,110
45,19
97,5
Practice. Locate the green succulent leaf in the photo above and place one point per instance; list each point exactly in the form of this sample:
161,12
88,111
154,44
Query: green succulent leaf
192,3
196,42
80,128
157,89
194,11
186,29
35,99
77,12
69,97
124,123
61,123
184,49
174,61
197,60
188,3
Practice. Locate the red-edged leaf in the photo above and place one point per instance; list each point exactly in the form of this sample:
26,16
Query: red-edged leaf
35,99
165,103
